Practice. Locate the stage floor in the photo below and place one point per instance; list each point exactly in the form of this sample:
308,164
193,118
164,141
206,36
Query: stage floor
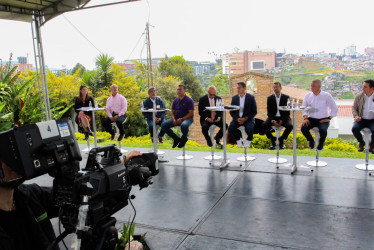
193,205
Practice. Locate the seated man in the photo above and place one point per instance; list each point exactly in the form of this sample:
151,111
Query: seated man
152,102
209,118
116,107
181,115
364,102
244,116
276,117
318,115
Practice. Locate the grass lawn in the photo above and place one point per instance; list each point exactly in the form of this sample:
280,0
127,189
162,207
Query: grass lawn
196,147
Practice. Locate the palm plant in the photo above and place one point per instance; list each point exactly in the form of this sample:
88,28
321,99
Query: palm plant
5,123
104,66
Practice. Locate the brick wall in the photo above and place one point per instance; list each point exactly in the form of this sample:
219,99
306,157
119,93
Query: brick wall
263,90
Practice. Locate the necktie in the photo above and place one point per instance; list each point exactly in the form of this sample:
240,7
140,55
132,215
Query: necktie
213,114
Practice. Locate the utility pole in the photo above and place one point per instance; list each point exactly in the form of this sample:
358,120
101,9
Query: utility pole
150,72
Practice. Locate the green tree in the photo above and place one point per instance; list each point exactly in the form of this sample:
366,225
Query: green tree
222,84
104,65
90,79
127,86
63,88
347,96
177,66
77,67
167,88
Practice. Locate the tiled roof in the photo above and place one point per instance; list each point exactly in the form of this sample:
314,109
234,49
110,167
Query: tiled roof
344,111
294,92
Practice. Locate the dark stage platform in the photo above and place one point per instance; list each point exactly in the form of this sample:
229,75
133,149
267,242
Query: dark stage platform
193,205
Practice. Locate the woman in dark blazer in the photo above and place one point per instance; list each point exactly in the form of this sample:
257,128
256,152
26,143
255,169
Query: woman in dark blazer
84,118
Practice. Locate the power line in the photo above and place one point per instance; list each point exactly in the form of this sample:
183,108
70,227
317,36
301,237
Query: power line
136,45
81,33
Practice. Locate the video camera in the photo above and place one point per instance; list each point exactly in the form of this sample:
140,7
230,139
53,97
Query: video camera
102,188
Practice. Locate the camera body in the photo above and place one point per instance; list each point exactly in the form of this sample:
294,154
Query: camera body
51,147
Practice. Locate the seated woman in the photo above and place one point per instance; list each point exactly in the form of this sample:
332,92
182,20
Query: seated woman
83,118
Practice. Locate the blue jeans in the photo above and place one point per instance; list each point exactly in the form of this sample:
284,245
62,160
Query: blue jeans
150,127
185,125
322,127
248,125
358,126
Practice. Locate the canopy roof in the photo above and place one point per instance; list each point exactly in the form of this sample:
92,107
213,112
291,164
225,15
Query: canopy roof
23,10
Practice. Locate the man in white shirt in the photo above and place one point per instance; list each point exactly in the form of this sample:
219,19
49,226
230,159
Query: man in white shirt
318,115
364,118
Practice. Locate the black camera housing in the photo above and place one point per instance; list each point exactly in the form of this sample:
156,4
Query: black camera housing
51,147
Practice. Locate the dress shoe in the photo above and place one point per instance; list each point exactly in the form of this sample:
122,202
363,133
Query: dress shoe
112,136
160,140
120,137
311,144
89,131
176,142
209,142
86,136
371,150
182,143
361,146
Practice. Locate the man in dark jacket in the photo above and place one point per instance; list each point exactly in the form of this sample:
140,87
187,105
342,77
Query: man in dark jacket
209,118
154,102
277,117
244,116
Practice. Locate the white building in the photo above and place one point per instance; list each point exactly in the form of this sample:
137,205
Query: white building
225,64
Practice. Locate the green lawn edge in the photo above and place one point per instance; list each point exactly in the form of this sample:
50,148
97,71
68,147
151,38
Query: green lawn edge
168,145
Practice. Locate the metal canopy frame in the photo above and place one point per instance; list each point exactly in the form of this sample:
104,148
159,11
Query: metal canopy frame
38,12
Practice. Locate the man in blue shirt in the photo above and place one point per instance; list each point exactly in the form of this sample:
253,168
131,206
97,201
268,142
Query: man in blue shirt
154,102
181,115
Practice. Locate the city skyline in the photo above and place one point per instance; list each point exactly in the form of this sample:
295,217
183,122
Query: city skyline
194,29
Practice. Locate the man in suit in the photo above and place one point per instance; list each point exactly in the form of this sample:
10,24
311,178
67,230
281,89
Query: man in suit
154,102
244,116
209,118
276,117
363,117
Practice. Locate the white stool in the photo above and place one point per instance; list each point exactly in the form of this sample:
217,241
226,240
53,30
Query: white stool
183,156
316,162
88,149
244,158
117,134
366,166
276,159
212,157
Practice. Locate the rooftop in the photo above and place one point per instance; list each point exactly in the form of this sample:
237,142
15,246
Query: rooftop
194,205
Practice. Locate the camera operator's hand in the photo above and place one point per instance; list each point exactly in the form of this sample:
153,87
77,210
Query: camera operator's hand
131,155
